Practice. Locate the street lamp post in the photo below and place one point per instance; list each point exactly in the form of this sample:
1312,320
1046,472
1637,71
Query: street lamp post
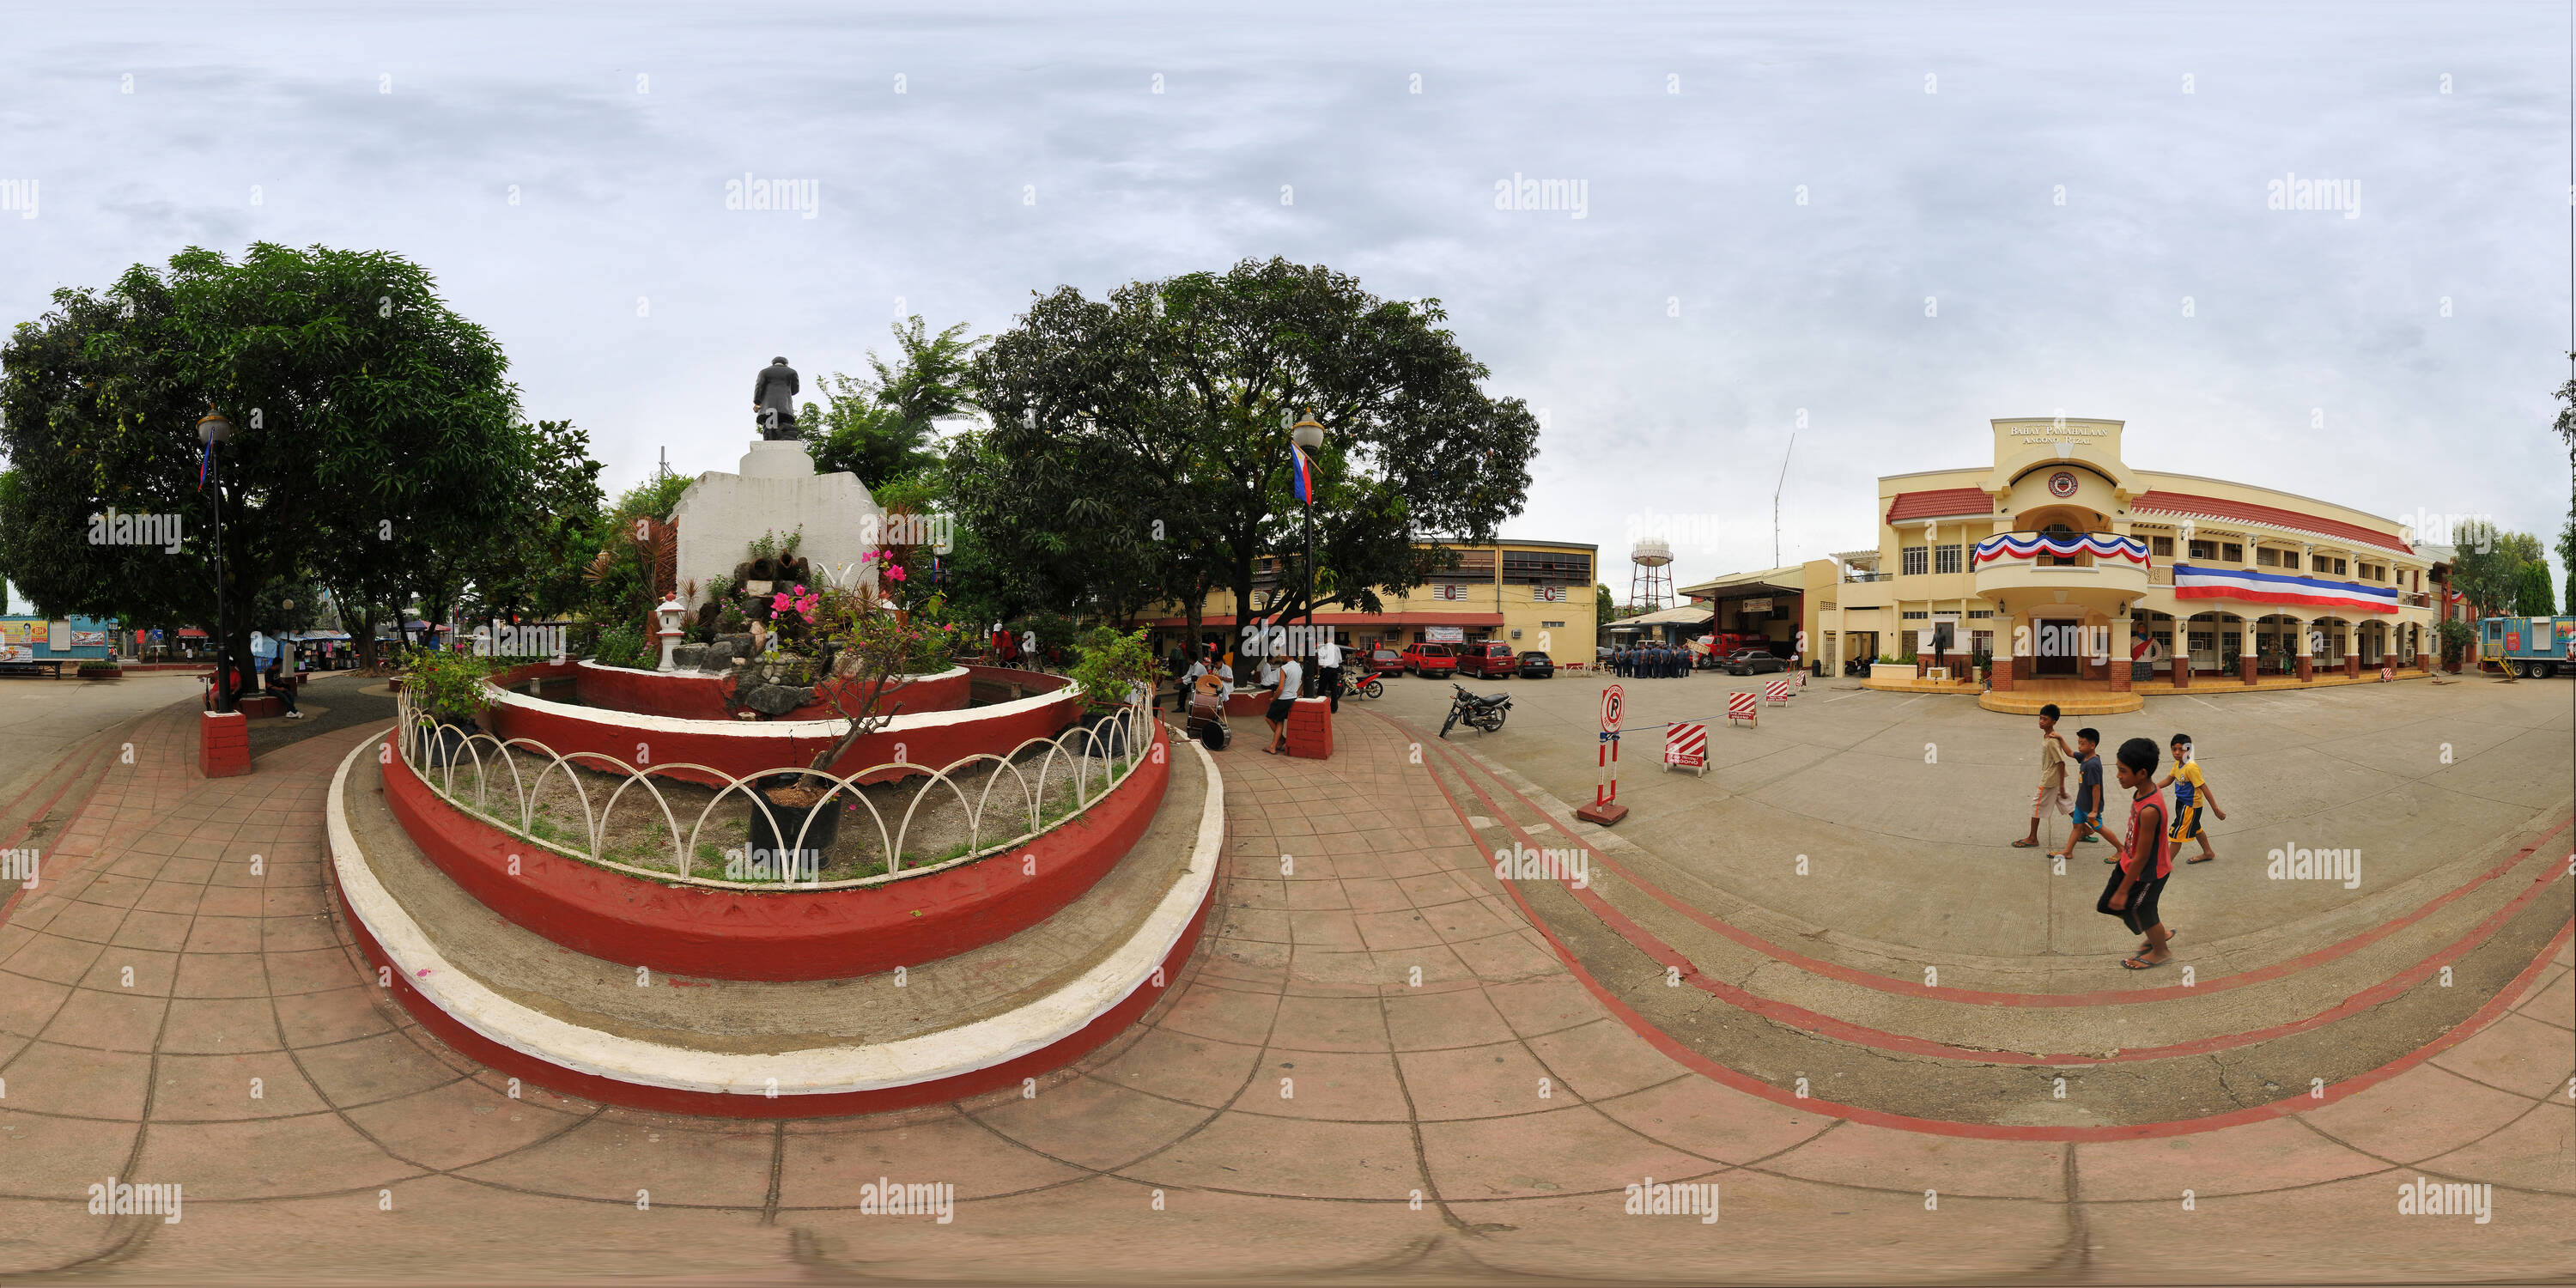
213,430
1310,439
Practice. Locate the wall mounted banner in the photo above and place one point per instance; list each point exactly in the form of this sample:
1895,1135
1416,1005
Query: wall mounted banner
2031,545
2280,588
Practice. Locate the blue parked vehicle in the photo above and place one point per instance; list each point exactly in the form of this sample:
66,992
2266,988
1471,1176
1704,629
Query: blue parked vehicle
2531,647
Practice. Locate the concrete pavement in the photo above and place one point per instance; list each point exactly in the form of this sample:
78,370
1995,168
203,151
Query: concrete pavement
1379,1067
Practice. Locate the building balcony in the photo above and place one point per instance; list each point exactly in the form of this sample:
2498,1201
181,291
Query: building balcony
2022,572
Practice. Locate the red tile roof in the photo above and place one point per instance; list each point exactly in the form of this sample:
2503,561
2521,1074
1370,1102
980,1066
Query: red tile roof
1939,503
2210,507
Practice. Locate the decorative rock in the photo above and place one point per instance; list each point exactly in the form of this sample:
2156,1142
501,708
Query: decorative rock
777,699
690,657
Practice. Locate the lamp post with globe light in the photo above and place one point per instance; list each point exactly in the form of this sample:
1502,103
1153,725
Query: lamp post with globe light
214,431
1310,440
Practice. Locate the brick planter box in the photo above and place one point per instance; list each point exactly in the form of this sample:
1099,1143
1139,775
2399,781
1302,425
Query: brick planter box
223,744
1310,729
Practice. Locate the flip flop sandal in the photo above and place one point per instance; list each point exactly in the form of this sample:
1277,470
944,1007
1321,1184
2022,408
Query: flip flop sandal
2144,946
2139,963
2202,859
2025,845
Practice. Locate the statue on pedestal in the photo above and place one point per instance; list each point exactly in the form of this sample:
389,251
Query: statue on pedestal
773,401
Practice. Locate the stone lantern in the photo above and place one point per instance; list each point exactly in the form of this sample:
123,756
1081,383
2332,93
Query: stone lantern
670,611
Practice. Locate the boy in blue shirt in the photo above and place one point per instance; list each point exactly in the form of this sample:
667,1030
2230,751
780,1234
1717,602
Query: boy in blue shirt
2088,794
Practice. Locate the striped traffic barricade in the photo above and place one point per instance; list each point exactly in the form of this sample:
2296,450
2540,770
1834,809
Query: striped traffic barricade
1776,693
1686,747
1739,706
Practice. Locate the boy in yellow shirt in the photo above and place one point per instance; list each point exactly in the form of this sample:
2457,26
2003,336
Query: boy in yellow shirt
2191,792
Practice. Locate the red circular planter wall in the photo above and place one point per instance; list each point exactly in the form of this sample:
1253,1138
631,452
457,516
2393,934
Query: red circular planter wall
692,695
782,934
740,749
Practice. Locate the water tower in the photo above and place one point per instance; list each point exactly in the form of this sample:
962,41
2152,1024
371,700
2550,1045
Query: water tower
1650,587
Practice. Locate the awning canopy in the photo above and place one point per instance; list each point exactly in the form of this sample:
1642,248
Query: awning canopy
191,633
1790,579
1686,615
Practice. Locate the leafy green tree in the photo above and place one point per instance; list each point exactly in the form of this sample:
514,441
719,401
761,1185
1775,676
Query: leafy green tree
619,586
1605,610
376,434
881,428
2535,597
1139,447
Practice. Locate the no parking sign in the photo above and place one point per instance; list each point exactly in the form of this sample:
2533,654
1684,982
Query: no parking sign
1605,808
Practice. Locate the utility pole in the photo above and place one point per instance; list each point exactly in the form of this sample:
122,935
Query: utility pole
1775,498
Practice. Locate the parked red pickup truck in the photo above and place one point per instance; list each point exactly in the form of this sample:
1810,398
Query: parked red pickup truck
1430,659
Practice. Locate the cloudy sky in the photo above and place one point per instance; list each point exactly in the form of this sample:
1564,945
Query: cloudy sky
2005,208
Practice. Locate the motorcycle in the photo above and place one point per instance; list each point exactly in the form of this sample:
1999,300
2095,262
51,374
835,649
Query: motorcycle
1484,713
1362,684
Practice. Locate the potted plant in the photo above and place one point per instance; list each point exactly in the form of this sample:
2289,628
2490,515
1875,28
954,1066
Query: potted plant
2457,638
100,668
447,686
870,655
1111,672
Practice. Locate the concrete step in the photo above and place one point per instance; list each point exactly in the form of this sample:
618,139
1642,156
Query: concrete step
932,1031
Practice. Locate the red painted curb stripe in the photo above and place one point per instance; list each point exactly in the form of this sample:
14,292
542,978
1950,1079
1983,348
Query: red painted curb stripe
609,1091
2107,997
1796,1016
1673,1049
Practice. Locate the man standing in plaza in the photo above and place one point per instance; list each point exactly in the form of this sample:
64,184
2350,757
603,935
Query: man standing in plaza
1328,672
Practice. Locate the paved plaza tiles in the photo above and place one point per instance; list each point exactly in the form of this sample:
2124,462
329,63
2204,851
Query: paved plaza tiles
1382,1064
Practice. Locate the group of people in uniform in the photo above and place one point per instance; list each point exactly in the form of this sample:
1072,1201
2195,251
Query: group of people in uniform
1650,661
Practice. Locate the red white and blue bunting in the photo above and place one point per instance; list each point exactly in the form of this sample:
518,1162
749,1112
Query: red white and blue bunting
2280,588
2031,545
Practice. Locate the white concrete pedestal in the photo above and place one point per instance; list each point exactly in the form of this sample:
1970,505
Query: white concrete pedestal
777,491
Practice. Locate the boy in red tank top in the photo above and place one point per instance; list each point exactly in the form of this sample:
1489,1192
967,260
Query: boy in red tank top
2136,885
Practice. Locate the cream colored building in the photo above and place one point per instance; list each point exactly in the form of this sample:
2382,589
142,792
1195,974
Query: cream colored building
1532,595
2059,559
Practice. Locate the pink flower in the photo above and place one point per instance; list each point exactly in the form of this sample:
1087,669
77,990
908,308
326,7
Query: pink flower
895,571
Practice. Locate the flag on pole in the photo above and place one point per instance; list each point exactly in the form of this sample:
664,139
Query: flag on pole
205,460
1305,474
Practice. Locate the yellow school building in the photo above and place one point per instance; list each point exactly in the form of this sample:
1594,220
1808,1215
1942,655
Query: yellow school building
1532,595
2077,578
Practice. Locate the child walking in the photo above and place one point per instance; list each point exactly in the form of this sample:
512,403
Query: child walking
2052,775
2146,861
2088,794
2191,791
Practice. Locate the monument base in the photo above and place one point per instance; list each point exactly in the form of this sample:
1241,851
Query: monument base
776,491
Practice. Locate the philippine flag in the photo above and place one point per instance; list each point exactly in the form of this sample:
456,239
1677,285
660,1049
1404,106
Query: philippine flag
2192,582
1305,474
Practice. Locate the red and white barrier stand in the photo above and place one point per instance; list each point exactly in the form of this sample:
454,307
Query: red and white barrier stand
1686,747
1776,693
1739,706
1605,808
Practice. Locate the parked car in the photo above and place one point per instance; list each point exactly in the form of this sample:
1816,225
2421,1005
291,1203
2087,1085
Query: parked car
1754,662
1537,666
1430,659
1485,658
1385,661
